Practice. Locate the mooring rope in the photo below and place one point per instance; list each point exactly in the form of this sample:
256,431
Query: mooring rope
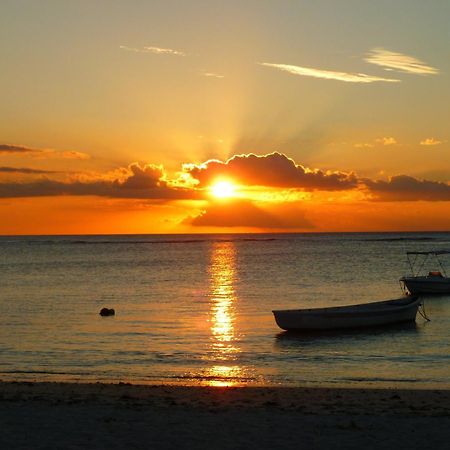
422,311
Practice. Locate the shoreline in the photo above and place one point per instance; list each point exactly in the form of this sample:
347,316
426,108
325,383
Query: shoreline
123,415
311,400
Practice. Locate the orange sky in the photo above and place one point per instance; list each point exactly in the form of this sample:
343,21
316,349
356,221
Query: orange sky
247,193
124,122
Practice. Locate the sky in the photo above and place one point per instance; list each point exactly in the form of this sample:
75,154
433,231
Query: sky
211,116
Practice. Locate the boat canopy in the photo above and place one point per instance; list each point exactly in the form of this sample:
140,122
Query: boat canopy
415,259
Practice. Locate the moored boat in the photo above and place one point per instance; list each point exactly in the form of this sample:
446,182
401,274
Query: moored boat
435,282
350,316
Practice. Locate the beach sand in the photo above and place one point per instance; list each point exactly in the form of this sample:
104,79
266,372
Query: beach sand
125,416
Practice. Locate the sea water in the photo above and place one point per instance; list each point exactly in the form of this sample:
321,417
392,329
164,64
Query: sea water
196,309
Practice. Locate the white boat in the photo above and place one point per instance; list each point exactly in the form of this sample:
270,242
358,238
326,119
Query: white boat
351,316
435,282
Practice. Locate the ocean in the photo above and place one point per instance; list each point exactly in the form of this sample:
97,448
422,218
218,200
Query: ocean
196,309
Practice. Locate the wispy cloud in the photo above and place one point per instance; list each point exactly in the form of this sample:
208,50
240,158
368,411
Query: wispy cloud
329,74
386,140
7,148
42,153
26,170
363,145
430,141
155,50
398,61
213,75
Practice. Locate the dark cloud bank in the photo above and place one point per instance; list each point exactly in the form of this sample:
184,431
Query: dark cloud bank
274,170
271,170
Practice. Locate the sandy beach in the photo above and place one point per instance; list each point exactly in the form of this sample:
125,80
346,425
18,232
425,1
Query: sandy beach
118,416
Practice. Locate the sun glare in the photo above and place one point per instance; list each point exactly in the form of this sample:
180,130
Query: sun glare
222,189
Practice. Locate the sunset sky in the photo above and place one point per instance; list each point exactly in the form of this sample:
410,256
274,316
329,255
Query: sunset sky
212,116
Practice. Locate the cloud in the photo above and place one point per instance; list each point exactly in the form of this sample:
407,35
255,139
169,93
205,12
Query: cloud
363,145
213,75
383,141
6,148
139,182
54,154
25,170
43,188
406,188
42,153
329,75
235,214
148,176
430,141
242,213
271,170
47,187
400,62
155,50
386,140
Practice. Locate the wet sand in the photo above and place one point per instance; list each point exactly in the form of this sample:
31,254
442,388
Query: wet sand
122,416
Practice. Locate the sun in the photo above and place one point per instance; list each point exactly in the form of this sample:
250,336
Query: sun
223,189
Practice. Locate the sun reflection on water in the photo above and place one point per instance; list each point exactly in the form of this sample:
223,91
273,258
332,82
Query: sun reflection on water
224,346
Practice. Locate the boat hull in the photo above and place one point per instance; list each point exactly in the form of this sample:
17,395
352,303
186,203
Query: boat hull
427,285
352,316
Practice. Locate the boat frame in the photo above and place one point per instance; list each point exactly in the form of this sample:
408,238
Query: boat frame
414,261
435,282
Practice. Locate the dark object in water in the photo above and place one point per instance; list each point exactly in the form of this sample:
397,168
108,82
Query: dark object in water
107,312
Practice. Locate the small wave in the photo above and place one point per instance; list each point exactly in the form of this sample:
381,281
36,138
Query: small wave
151,242
258,239
81,242
211,378
381,379
42,372
406,239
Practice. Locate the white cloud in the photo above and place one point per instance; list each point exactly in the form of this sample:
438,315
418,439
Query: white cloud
387,140
398,61
363,145
328,74
430,141
155,50
213,75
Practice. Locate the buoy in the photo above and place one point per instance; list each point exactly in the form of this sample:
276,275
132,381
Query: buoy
107,312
